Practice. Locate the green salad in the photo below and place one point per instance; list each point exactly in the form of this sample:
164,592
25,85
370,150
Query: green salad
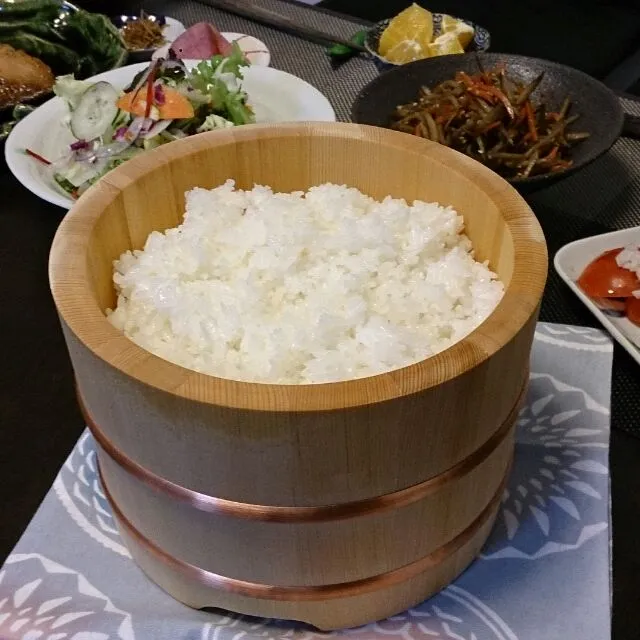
164,102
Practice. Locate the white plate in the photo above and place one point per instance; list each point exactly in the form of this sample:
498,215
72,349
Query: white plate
571,260
256,51
275,96
173,29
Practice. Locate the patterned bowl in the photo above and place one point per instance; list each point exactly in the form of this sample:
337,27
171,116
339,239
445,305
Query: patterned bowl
481,39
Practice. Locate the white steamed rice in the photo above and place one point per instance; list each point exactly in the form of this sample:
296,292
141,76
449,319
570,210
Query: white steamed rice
300,287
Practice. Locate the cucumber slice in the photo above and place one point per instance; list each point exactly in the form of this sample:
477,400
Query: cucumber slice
79,173
65,185
95,111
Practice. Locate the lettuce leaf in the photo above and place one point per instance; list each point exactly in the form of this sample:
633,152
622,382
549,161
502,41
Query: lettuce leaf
219,80
208,71
213,122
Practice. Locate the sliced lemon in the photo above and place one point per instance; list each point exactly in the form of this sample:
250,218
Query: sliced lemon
449,23
407,51
464,32
411,29
445,44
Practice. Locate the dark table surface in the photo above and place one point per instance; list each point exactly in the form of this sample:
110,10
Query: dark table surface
40,422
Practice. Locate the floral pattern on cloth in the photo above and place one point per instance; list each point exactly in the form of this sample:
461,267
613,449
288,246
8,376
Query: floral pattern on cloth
81,584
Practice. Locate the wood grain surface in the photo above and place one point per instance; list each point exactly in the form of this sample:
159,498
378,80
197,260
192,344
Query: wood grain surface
302,446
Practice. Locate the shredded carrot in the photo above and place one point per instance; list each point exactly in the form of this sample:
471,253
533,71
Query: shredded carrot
552,154
465,78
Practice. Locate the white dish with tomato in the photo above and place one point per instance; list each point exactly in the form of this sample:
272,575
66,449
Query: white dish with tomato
604,272
71,141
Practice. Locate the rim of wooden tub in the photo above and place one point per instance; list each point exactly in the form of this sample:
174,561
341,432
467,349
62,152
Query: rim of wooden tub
79,309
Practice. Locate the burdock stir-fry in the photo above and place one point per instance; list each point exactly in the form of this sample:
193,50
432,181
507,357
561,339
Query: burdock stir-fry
492,118
143,33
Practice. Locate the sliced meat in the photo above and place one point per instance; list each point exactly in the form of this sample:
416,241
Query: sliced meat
200,42
22,77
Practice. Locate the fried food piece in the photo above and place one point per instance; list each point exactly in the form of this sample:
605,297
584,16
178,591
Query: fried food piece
22,76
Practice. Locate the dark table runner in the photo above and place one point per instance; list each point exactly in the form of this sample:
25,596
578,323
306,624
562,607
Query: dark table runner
39,420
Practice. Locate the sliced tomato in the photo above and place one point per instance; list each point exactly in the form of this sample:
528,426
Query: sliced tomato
617,305
603,278
174,107
633,310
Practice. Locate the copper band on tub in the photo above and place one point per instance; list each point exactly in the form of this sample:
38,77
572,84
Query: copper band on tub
269,513
305,593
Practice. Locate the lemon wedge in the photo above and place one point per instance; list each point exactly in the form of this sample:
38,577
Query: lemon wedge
445,44
408,35
407,51
463,31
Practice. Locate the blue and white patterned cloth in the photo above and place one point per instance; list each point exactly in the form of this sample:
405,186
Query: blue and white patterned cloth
543,575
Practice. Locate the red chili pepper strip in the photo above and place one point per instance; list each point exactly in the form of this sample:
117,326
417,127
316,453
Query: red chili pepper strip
37,156
151,80
153,68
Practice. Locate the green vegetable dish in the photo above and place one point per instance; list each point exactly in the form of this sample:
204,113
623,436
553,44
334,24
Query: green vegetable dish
67,39
164,102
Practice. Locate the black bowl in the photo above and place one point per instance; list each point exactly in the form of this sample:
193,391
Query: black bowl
600,111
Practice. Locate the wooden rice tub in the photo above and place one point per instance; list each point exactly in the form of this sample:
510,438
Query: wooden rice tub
335,504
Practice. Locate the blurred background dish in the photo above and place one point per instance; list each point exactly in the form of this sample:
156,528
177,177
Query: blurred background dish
571,261
145,33
255,50
41,39
67,39
417,34
22,77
